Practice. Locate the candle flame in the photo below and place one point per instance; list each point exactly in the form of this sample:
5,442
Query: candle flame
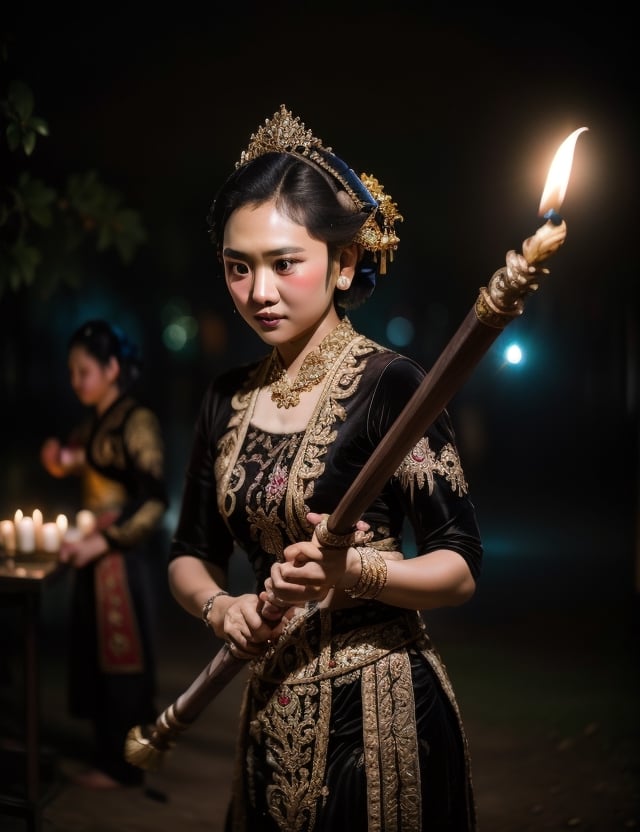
558,177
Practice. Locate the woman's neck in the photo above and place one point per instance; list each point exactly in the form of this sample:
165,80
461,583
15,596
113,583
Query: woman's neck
293,354
107,400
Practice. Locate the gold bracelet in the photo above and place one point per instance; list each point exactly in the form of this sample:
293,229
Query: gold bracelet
208,606
330,540
373,574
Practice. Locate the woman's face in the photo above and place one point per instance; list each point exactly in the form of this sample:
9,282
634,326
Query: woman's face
92,382
279,277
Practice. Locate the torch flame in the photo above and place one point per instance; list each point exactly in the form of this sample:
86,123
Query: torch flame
558,177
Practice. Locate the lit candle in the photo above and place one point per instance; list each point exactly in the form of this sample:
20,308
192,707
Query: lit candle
50,537
26,535
17,517
62,523
8,532
550,236
37,527
85,521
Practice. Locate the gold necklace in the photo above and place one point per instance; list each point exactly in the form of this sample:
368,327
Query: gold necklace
313,369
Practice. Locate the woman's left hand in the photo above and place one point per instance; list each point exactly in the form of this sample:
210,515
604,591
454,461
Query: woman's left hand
79,553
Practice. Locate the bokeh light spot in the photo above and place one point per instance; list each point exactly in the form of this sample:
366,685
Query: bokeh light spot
513,354
400,331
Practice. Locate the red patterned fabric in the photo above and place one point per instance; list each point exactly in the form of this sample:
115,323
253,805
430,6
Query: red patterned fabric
120,648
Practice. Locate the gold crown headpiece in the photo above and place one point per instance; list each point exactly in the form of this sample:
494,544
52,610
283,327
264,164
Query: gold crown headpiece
284,133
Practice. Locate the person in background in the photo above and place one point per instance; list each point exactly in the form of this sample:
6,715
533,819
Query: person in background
349,719
118,453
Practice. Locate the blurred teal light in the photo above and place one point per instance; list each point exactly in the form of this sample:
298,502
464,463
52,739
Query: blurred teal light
513,354
400,332
176,334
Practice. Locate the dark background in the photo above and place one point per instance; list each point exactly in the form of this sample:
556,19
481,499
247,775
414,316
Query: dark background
458,112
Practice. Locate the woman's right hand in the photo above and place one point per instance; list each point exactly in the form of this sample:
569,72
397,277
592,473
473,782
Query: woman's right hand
310,570
58,459
244,629
50,457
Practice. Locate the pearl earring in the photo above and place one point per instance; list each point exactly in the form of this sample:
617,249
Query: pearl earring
343,282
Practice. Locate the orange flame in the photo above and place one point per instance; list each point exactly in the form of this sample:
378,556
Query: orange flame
558,177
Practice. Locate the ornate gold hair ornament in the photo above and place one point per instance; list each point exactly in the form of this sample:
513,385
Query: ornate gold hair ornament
284,133
378,234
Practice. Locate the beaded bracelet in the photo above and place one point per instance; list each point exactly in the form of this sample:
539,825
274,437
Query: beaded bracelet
373,574
208,606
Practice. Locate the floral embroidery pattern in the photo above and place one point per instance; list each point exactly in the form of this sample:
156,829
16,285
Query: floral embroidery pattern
259,482
277,483
421,464
302,463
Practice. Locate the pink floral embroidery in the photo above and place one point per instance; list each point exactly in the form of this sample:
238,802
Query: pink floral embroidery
421,464
277,484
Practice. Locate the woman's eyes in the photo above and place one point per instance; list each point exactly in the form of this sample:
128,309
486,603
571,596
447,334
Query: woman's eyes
282,266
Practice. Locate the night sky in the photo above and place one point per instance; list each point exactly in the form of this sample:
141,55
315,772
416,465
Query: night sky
458,113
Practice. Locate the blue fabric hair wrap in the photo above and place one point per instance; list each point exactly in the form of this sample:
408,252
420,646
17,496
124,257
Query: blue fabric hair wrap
368,271
349,177
128,349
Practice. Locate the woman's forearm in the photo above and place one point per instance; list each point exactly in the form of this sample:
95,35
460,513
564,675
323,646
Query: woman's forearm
192,582
439,579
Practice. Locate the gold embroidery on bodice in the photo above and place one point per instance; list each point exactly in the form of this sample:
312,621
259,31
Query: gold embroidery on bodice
305,465
285,467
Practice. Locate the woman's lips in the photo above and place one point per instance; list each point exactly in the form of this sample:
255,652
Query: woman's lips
268,322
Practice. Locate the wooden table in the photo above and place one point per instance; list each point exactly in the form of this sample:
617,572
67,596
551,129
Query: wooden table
22,580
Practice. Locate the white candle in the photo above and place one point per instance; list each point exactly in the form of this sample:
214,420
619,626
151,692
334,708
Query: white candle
86,521
26,535
50,535
8,532
37,527
62,523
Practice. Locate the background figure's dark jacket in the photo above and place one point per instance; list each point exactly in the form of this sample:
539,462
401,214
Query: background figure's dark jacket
123,480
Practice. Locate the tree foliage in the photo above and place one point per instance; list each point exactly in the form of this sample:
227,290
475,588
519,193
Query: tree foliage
44,230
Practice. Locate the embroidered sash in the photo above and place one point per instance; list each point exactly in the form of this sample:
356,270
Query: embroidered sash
120,648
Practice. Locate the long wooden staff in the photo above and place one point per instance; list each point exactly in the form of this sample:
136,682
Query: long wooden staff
497,304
